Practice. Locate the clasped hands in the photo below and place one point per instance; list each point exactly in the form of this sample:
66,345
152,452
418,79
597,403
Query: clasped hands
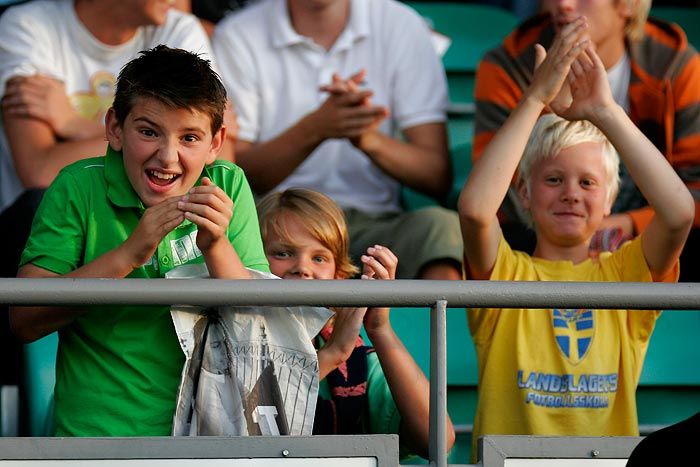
349,112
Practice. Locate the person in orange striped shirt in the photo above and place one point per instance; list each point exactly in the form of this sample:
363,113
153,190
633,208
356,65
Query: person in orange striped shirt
653,73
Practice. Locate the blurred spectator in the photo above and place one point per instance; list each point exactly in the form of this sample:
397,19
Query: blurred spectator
321,89
210,12
654,75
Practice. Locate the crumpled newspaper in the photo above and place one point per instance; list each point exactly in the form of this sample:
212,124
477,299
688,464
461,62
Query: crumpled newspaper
248,370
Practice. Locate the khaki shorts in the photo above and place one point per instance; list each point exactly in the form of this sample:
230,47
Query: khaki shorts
417,238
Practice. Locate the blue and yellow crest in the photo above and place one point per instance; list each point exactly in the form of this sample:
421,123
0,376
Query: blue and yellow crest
574,331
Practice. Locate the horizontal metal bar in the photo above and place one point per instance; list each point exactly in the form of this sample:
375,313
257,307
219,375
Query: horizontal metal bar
398,293
99,451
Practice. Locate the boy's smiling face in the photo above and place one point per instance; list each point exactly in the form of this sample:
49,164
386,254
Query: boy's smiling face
568,196
165,149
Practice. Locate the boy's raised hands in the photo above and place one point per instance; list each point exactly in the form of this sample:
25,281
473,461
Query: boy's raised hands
589,87
492,174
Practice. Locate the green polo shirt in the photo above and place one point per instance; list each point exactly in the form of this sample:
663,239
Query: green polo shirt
118,367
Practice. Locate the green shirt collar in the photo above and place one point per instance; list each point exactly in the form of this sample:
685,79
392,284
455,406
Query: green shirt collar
119,189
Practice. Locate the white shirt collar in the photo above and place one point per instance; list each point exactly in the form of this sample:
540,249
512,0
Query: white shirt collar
284,35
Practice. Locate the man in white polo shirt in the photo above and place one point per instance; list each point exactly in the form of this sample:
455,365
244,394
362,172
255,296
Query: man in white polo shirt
275,57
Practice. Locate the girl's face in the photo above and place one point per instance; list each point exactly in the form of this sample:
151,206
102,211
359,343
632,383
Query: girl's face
307,258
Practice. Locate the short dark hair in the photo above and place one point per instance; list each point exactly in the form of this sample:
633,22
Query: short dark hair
175,77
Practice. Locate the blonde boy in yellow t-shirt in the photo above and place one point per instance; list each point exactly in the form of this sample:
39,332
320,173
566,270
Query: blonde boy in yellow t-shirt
566,372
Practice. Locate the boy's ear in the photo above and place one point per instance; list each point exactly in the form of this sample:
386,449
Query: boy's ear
113,130
217,143
524,195
608,207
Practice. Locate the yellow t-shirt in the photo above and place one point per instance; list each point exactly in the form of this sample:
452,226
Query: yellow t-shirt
561,372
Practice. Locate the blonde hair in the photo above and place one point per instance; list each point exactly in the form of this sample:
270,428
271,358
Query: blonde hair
321,216
552,134
634,29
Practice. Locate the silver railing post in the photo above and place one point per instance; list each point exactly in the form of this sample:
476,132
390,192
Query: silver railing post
438,384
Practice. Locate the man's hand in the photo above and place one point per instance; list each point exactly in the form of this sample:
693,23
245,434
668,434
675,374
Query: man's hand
45,99
211,210
348,112
340,85
621,221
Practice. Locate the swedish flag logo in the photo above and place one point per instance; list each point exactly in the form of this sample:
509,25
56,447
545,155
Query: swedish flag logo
574,331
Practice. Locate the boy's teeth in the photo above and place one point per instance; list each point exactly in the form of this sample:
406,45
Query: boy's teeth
162,176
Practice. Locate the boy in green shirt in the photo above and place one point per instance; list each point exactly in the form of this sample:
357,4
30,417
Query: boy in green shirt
158,199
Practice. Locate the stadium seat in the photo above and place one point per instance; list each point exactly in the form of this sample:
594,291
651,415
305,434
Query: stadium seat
674,354
461,159
9,410
669,387
686,17
412,325
461,166
40,378
473,29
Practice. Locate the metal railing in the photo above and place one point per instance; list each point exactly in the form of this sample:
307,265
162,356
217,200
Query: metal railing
400,293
